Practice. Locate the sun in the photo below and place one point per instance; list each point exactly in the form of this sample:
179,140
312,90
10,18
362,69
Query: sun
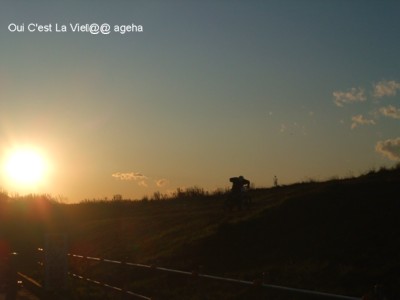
25,166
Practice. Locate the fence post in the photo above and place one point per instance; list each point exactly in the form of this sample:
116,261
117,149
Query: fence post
11,277
123,277
55,266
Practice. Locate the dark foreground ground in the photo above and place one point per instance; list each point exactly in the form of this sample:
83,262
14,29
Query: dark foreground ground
339,236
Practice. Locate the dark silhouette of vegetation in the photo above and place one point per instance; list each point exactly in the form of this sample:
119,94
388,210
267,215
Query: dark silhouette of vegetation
338,236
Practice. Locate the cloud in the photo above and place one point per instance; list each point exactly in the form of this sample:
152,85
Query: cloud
390,111
386,88
361,120
162,182
143,183
139,178
354,95
129,176
389,148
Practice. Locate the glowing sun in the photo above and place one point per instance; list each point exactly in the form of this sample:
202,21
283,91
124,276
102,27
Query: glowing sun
25,166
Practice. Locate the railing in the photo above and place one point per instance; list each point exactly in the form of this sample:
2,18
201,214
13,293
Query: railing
35,286
109,286
30,284
219,278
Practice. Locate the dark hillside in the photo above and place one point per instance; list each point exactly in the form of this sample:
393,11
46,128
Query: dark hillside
339,236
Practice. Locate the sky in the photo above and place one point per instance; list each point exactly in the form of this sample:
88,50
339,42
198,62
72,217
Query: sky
199,92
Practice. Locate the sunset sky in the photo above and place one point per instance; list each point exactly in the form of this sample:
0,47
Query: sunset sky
208,90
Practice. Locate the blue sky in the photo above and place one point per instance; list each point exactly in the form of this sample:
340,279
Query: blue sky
208,90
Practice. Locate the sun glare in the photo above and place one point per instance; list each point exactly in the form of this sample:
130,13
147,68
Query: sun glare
25,167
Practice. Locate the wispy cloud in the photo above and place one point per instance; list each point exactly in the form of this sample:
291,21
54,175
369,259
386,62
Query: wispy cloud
361,120
140,179
390,111
143,183
132,176
353,95
389,148
129,176
386,88
161,182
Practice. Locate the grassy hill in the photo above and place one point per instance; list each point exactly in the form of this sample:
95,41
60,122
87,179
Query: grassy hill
339,236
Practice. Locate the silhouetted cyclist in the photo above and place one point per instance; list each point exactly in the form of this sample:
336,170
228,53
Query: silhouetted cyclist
239,185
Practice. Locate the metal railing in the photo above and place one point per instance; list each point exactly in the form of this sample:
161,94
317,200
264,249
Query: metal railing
219,278
37,288
109,286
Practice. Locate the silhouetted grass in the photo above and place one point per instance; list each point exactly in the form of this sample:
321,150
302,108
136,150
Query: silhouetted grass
339,236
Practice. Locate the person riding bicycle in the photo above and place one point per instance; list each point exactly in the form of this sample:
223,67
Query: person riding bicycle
239,185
